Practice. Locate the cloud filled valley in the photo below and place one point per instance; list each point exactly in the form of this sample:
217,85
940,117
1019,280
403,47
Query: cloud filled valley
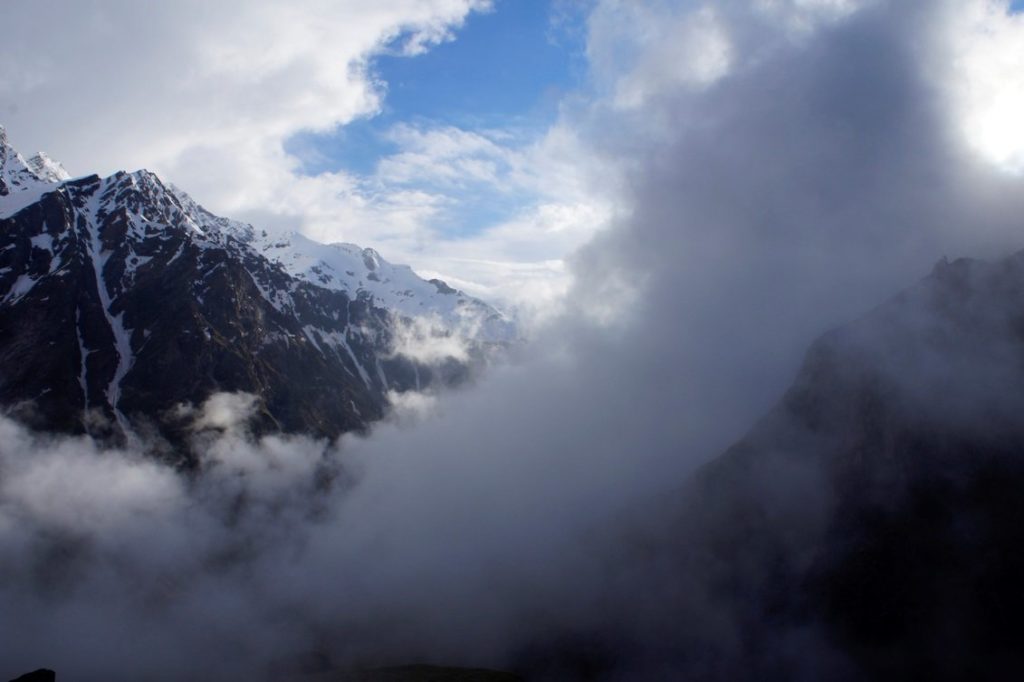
665,481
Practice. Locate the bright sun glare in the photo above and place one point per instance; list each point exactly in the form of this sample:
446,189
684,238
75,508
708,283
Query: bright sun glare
990,87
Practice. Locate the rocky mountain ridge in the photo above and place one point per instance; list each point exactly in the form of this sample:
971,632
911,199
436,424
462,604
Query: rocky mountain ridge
122,302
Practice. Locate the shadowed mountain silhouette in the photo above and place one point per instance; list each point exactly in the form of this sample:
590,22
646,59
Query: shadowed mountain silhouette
41,675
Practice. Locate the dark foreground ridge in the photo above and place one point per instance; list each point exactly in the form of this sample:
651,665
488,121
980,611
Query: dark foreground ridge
415,673
41,675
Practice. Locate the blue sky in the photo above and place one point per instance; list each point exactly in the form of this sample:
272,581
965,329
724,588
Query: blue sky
503,75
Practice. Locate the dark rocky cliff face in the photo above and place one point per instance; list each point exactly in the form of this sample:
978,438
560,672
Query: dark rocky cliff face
119,304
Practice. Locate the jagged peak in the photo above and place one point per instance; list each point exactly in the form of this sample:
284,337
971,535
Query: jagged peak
18,174
148,178
371,259
48,168
946,269
206,218
7,151
20,179
442,286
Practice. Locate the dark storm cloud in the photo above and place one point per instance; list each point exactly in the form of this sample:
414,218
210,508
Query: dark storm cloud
817,178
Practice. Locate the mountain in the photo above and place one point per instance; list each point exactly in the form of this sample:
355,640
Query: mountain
123,302
879,504
21,181
363,273
869,527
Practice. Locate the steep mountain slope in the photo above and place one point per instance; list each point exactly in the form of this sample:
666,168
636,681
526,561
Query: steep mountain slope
121,301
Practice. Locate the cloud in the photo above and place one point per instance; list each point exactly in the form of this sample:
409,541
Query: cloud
207,96
555,192
987,82
226,411
649,48
819,174
445,155
153,83
431,341
103,547
808,184
493,211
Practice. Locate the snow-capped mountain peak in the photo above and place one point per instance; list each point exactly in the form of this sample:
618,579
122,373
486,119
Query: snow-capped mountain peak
145,301
48,169
24,181
208,221
364,273
361,273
